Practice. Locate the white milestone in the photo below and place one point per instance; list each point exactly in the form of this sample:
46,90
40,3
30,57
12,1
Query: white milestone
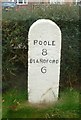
44,41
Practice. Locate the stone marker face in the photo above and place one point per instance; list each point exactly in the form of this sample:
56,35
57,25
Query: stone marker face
43,61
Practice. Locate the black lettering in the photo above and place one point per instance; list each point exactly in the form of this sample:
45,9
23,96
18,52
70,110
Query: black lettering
44,52
50,61
49,43
53,61
43,69
30,60
57,61
40,42
35,41
45,42
37,61
53,43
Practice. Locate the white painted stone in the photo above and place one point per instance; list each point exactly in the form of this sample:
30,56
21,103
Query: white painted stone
43,61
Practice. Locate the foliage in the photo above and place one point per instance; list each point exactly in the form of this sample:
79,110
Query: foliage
54,12
15,31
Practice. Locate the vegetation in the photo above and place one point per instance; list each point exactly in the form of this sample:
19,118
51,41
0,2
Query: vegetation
15,105
15,49
15,32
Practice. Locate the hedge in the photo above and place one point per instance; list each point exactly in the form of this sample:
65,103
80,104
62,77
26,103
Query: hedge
14,34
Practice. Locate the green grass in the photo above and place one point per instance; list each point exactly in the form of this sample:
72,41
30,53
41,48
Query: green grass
15,105
0,105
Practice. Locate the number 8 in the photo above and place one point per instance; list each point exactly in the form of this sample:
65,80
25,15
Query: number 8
44,52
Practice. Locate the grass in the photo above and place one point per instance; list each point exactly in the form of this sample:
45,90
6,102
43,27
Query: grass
0,105
15,105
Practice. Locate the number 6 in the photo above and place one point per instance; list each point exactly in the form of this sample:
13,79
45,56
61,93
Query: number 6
43,69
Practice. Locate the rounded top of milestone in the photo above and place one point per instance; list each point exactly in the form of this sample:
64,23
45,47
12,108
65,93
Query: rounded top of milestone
45,21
